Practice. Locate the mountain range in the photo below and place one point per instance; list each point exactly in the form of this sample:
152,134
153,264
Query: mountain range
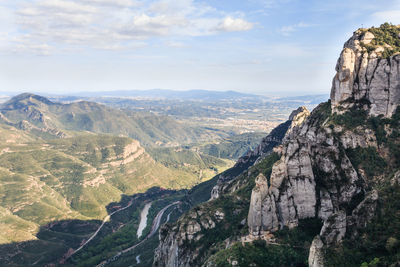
171,94
321,189
49,119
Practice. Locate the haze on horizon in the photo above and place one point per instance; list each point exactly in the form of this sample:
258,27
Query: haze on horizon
277,47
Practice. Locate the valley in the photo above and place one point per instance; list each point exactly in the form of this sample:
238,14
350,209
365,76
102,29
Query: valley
321,189
89,184
198,133
61,165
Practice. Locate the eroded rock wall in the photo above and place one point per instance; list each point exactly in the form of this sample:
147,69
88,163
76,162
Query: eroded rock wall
365,77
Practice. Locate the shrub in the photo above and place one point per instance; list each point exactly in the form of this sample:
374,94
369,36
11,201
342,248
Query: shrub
368,159
386,34
351,119
391,244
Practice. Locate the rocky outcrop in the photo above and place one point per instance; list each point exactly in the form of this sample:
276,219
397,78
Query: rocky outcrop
131,152
255,217
266,146
338,224
396,179
174,239
363,213
37,121
27,126
363,77
316,256
314,176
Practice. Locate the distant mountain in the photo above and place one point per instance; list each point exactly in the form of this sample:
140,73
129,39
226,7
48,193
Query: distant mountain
51,119
199,95
171,94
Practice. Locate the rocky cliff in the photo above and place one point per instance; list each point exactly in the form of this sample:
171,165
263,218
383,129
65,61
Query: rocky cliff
316,175
366,74
336,167
173,249
273,139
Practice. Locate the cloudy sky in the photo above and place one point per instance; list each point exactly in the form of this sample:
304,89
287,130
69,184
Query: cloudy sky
270,47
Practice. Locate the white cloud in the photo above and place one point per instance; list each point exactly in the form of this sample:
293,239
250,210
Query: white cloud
144,26
113,24
64,6
113,3
230,24
288,30
39,49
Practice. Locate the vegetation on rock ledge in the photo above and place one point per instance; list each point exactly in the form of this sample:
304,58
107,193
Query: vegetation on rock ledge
388,36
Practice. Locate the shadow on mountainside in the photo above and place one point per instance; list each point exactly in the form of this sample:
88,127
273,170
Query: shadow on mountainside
58,239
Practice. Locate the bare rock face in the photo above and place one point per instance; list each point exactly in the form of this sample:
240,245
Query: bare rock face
173,250
334,228
316,256
297,117
313,178
366,78
258,194
396,179
265,148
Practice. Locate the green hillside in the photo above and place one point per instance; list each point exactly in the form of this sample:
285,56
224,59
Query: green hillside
50,119
75,178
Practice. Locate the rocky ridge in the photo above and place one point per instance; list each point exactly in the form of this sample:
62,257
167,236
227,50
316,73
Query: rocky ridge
364,77
265,148
316,174
173,250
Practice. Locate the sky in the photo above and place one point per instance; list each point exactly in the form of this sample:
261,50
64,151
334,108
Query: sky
268,47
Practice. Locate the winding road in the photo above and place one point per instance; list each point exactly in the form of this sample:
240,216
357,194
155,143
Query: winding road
154,228
98,229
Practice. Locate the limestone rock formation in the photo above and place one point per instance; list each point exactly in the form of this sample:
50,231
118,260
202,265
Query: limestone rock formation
266,146
364,77
316,257
171,252
315,176
259,192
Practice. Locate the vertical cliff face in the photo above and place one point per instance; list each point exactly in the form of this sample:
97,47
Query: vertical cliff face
331,166
366,75
315,177
273,139
186,242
